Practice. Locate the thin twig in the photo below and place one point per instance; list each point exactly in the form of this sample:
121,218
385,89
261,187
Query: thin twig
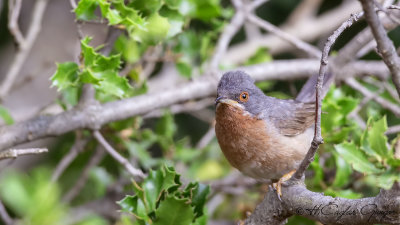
25,47
136,173
5,216
14,153
367,93
389,14
14,8
384,44
69,158
207,138
73,4
393,7
80,183
229,31
304,11
393,130
317,140
307,48
308,30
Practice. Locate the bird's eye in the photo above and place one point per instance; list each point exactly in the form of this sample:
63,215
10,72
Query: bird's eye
244,96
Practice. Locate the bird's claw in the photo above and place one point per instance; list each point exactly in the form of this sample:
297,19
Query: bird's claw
278,185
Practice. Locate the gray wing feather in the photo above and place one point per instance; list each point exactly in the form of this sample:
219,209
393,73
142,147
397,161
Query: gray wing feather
291,117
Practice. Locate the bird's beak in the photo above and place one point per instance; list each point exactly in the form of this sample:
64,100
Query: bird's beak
224,100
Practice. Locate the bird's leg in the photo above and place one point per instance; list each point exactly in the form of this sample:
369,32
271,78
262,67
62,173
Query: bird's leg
284,178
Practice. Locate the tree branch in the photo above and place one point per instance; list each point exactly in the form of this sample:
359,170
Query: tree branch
4,215
94,115
136,173
25,47
14,153
384,44
14,8
69,158
229,31
383,102
317,140
307,48
80,183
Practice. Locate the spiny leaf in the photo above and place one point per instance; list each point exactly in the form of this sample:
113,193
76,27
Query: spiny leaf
88,53
349,152
112,83
112,15
133,205
343,172
377,138
198,194
85,9
65,76
174,211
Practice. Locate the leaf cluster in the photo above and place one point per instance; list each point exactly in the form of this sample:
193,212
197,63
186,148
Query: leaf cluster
159,199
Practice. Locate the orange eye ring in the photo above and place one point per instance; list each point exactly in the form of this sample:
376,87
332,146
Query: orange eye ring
244,96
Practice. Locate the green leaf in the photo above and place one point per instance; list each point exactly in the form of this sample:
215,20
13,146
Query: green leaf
103,63
129,49
87,76
112,15
184,68
337,107
260,56
157,182
348,193
85,9
206,10
71,96
174,211
102,71
198,194
166,126
175,20
147,6
65,76
131,17
133,205
173,4
6,116
377,138
34,198
386,179
343,172
112,83
318,171
352,155
88,53
156,30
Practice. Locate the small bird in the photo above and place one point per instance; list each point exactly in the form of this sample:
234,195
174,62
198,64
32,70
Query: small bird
264,137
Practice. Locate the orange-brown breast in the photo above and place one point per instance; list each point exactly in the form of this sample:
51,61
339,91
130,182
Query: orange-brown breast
254,149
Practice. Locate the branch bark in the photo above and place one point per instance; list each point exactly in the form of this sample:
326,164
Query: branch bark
24,47
14,153
93,116
384,44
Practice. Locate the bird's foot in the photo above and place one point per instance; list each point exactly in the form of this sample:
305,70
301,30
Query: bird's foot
278,185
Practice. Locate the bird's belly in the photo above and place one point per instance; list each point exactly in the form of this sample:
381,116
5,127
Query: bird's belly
254,149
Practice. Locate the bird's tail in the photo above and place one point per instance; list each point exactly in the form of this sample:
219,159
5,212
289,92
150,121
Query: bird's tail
307,92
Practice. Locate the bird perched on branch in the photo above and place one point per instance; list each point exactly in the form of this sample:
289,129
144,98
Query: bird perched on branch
264,137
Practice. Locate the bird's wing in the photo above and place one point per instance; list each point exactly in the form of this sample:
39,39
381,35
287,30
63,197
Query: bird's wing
293,118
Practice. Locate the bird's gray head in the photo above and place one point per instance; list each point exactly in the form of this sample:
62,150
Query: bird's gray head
236,88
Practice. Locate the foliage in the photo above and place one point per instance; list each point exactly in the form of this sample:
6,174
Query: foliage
35,199
159,200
